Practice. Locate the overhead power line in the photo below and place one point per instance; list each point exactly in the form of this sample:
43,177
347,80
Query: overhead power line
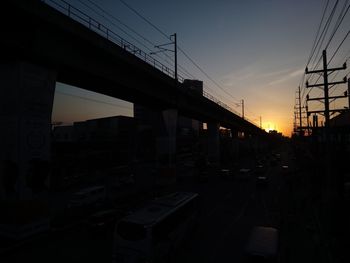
340,44
93,100
109,15
322,37
179,48
339,21
145,19
181,69
314,45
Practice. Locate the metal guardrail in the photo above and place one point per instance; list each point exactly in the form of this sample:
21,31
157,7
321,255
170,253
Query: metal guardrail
94,25
212,98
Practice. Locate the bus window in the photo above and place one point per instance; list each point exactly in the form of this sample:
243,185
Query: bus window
131,231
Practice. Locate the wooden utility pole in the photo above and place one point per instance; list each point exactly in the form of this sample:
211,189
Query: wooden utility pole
242,109
326,85
260,123
329,186
300,118
175,55
348,93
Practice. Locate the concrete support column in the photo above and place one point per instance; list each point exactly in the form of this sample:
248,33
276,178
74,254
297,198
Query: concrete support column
166,147
213,143
235,146
26,100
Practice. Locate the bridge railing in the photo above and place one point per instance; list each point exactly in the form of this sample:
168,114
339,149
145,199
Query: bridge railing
94,25
212,98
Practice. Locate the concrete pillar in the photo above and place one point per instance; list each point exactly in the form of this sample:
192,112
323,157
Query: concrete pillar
166,147
26,100
235,146
213,143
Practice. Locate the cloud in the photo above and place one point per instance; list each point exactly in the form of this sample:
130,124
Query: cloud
287,77
257,72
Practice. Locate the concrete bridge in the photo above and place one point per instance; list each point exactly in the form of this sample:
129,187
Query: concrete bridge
41,45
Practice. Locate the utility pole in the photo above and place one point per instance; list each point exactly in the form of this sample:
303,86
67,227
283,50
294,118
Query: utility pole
349,93
175,51
300,119
326,84
260,123
242,109
162,49
325,80
329,186
295,119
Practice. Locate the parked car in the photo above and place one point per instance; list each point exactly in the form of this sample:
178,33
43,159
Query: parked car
244,174
225,173
260,169
262,180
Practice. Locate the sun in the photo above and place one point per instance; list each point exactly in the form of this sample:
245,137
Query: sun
269,126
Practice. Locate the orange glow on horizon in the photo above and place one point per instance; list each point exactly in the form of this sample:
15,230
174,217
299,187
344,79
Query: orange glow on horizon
269,126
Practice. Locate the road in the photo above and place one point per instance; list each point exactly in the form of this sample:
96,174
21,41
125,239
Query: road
229,209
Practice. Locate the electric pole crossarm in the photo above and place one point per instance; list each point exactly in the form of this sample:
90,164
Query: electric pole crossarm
339,68
338,82
329,83
333,97
162,45
313,71
159,51
322,111
314,99
313,85
338,97
322,70
162,49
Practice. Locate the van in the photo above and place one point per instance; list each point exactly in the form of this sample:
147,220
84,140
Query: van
262,245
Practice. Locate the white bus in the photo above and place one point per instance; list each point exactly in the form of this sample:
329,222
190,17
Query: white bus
153,233
87,196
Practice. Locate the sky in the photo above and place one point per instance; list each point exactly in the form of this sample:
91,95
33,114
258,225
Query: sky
255,50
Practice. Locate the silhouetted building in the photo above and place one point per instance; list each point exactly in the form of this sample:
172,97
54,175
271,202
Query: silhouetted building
275,133
341,120
63,134
104,129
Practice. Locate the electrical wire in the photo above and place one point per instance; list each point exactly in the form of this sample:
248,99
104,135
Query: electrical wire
181,68
93,100
338,23
337,49
313,49
316,37
179,48
322,37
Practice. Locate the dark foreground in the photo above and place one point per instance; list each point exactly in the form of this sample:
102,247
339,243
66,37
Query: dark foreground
230,207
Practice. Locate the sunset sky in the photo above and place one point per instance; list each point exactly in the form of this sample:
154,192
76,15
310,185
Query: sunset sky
255,50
